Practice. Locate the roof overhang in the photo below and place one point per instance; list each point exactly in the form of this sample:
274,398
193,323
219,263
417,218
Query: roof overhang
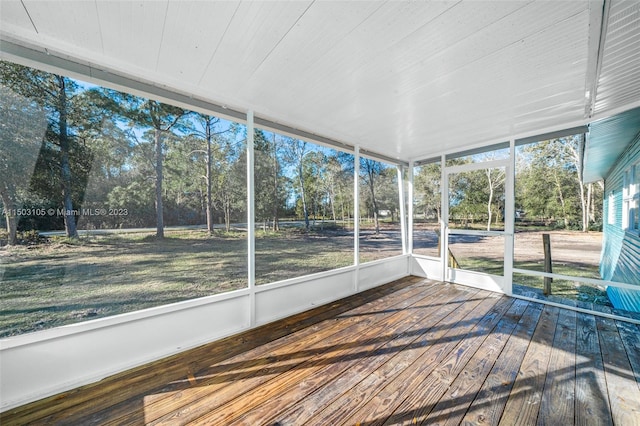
404,79
606,142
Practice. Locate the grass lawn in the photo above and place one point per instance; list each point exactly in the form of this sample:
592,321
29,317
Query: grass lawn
61,282
562,290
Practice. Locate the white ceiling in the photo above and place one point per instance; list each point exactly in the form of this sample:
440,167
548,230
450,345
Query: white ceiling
405,79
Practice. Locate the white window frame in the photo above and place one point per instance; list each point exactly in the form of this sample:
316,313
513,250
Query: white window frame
626,205
631,198
611,209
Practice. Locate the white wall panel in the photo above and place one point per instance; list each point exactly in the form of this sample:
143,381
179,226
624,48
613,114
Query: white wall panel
477,280
280,301
427,268
41,368
380,272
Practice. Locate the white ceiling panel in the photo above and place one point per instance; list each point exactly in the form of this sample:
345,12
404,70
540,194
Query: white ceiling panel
132,31
254,32
321,28
14,14
619,81
191,36
73,21
406,79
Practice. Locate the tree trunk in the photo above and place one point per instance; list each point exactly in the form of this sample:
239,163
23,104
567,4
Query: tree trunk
65,166
208,179
583,202
304,202
276,222
373,201
227,214
376,221
12,223
589,205
562,203
490,199
158,166
584,206
332,199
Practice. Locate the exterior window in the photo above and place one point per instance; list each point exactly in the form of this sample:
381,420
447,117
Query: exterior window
611,209
626,200
631,198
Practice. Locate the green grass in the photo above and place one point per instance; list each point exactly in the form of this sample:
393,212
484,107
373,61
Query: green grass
65,281
566,290
61,282
561,289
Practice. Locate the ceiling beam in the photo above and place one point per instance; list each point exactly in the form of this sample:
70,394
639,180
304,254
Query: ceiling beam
598,22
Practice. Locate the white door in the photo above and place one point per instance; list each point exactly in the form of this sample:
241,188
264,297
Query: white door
477,240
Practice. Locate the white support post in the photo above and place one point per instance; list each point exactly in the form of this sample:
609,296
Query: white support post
251,228
402,200
509,218
356,215
444,217
410,208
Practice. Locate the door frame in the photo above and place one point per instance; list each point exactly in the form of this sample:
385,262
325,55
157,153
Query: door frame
473,278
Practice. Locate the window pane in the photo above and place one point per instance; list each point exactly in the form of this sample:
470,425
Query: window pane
571,293
477,253
551,200
380,229
426,209
117,202
304,207
476,199
491,153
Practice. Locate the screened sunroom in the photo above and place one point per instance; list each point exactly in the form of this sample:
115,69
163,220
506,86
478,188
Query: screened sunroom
315,212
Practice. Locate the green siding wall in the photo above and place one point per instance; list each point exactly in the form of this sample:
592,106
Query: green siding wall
620,260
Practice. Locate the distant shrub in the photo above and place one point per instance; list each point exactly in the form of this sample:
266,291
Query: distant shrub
25,238
30,238
596,227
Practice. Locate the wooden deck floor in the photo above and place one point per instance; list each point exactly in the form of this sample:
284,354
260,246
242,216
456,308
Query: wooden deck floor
410,352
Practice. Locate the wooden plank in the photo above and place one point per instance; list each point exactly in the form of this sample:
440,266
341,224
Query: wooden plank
421,401
270,359
454,399
309,401
137,382
622,388
439,341
630,335
411,381
524,400
592,402
558,396
417,338
242,394
368,356
272,355
492,397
